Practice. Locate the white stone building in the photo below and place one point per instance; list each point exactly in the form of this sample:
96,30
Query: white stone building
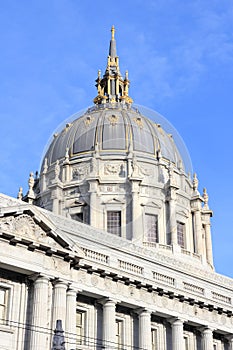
113,239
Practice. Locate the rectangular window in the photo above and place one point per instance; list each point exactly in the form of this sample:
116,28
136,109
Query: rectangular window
3,304
186,343
81,327
151,233
114,222
119,334
180,234
154,339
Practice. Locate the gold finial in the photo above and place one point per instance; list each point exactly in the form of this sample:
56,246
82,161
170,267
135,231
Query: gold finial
113,32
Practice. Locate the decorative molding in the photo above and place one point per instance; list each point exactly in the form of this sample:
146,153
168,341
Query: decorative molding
80,172
139,122
96,256
221,298
124,265
88,121
24,227
113,168
163,278
113,119
193,288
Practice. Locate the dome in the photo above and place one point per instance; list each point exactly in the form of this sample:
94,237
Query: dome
113,129
124,169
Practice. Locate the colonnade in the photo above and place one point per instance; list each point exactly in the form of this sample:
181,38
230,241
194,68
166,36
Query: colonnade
64,308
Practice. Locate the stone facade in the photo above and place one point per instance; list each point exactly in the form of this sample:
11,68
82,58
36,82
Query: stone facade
53,267
113,238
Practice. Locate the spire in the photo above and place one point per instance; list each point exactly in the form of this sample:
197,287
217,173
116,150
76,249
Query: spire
112,87
112,47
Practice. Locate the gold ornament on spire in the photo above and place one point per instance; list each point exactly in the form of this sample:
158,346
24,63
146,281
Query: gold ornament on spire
113,32
112,88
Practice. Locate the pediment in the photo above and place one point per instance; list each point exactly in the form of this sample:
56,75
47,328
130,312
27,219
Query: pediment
151,204
183,213
114,201
26,224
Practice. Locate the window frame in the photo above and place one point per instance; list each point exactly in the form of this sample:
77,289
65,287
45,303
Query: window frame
180,223
8,288
119,233
120,344
148,236
156,345
161,334
84,327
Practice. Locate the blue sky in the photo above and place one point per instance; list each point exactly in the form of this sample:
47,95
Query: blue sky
179,54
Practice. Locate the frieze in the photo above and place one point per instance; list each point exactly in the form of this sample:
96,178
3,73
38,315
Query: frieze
145,171
161,303
115,168
78,173
81,276
72,192
94,280
112,188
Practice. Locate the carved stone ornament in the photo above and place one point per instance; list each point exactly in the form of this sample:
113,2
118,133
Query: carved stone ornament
146,171
113,119
112,169
24,226
88,121
57,170
138,121
80,172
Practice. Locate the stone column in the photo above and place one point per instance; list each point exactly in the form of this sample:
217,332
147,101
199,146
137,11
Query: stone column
172,221
177,335
207,339
40,330
71,318
172,225
198,231
93,186
59,303
231,343
136,210
209,251
109,324
145,341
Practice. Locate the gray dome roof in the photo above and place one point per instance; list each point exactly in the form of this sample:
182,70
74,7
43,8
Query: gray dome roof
112,129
